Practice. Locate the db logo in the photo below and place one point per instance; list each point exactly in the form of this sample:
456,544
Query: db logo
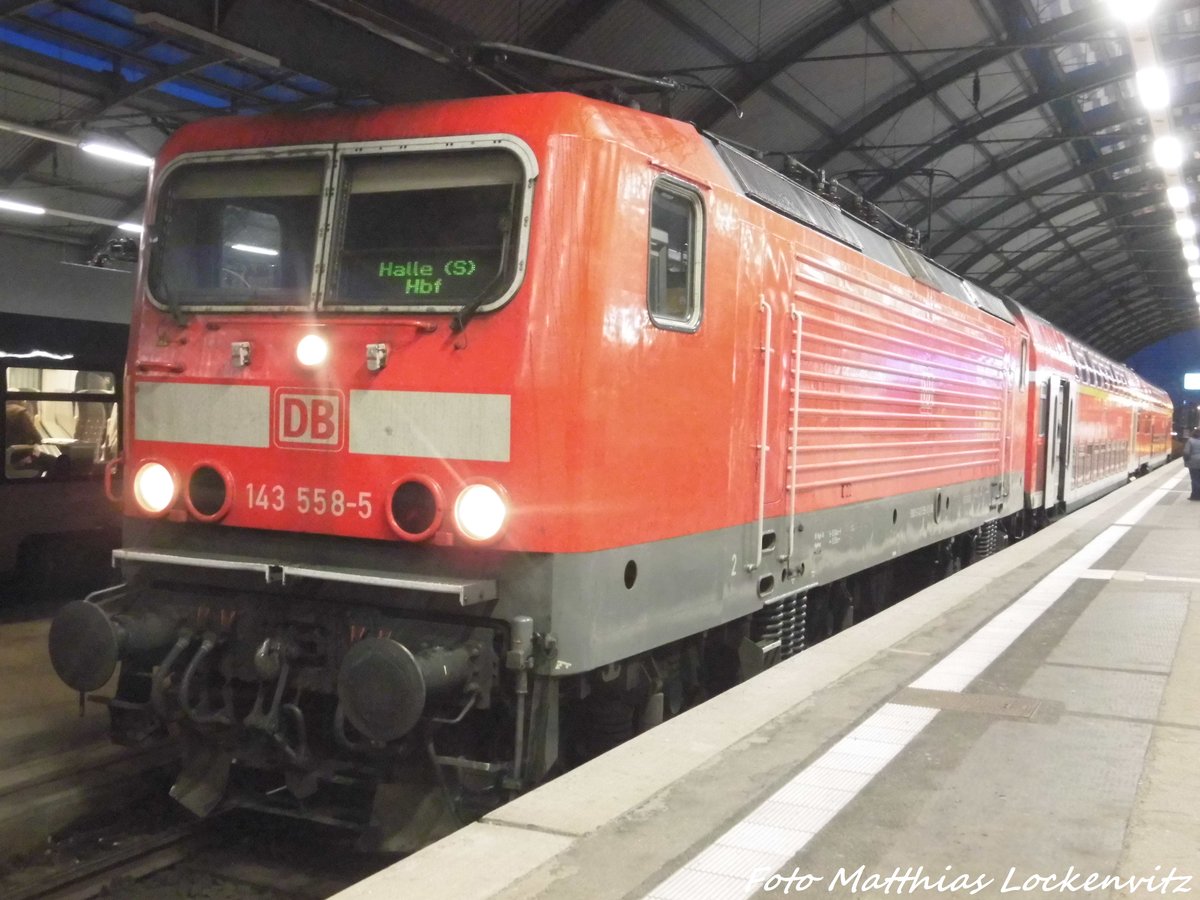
308,419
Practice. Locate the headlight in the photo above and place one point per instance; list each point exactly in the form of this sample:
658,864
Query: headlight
312,350
153,487
480,512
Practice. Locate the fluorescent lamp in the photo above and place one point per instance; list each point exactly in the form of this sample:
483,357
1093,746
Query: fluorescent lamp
1131,11
118,154
1191,253
1185,228
12,206
250,248
38,354
1152,88
1168,152
131,227
1177,196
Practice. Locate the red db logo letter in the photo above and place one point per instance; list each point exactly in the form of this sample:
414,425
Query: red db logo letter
294,413
323,425
307,420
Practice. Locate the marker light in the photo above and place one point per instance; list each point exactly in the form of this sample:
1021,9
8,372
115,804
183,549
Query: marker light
1168,152
1152,88
1177,196
153,487
312,350
480,512
117,154
1185,228
1191,252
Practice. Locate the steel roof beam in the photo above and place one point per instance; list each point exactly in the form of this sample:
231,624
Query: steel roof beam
760,73
1084,79
10,176
1064,110
1013,262
1140,199
568,21
1088,21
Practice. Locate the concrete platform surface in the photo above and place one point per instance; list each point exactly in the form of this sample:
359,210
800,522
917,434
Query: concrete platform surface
1030,726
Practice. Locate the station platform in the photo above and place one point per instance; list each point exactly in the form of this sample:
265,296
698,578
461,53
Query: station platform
1030,726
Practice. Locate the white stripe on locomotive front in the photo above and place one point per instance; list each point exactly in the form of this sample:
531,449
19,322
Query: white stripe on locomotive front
431,425
225,415
420,424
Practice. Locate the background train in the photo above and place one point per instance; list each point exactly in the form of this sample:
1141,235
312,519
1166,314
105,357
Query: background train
61,383
466,439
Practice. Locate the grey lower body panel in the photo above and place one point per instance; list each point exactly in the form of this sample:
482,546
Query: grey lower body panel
600,606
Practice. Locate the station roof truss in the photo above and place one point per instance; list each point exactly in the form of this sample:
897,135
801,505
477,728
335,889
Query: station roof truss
1008,132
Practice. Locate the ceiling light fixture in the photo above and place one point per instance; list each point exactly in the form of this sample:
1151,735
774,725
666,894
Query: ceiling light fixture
117,154
1177,196
13,206
89,145
1185,228
251,248
1168,152
1131,11
1153,89
1191,252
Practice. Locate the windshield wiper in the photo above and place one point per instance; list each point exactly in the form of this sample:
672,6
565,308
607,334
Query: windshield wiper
468,311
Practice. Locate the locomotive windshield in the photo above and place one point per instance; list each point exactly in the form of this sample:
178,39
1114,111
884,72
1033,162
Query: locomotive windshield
410,230
427,229
238,233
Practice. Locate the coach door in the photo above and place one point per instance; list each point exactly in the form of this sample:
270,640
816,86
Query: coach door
1058,436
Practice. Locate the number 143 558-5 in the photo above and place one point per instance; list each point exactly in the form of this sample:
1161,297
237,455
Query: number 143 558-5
309,500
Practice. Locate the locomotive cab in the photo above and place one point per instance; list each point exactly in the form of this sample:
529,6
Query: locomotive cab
370,468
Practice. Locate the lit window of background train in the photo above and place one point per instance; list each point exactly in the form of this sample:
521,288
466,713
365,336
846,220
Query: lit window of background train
463,441
62,389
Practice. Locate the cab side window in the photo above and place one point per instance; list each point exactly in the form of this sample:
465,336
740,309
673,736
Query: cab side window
676,274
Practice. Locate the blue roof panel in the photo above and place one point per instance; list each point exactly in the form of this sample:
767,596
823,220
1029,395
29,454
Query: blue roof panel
54,50
107,9
166,53
310,85
93,29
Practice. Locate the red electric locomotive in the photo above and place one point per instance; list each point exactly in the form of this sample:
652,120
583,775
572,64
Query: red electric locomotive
469,438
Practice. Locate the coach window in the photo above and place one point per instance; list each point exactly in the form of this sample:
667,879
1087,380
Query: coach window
58,423
674,291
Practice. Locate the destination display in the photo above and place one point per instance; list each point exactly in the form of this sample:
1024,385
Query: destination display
404,279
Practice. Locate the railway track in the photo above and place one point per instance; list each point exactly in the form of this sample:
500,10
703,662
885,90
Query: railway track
136,859
235,853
